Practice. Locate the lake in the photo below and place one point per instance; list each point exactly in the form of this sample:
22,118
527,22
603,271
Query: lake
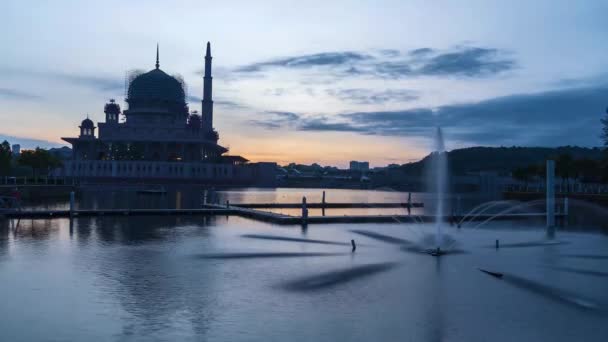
233,279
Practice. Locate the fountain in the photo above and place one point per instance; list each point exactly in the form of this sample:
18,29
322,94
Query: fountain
438,173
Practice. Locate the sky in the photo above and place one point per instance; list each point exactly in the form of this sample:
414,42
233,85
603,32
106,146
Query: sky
319,81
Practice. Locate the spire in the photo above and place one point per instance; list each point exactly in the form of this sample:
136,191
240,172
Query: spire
157,64
207,105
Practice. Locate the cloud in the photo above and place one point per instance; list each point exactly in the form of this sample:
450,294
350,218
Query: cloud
17,94
459,61
286,116
195,101
93,82
390,52
324,125
370,96
231,104
421,52
562,117
307,61
472,61
276,119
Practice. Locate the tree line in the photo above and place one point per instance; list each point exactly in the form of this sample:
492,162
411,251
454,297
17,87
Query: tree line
570,169
39,161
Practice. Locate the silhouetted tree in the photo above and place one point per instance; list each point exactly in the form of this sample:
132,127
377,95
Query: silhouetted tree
565,168
5,158
605,129
521,174
588,170
40,160
194,122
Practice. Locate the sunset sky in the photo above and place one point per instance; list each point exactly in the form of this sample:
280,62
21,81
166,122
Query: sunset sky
319,81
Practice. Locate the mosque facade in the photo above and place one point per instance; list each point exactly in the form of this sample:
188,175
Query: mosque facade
158,138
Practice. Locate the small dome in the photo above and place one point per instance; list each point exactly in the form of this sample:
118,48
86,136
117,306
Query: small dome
155,86
87,123
111,108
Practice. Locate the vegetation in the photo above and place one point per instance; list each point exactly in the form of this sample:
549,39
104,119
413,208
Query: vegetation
5,158
568,169
605,129
505,160
39,160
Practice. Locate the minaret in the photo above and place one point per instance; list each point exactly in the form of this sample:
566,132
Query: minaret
207,108
157,63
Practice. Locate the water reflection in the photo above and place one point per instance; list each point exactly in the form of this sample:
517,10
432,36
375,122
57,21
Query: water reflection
169,278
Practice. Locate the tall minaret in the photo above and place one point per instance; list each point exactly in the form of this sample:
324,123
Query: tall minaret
207,110
157,63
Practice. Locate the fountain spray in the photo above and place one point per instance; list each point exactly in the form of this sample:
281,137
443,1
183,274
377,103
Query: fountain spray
439,170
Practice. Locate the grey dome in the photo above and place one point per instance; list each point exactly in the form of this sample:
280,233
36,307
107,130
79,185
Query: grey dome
156,86
87,123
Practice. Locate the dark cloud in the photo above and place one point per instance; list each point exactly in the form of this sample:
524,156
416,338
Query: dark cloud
421,52
371,96
471,62
276,119
306,61
458,62
393,69
17,94
461,61
562,117
325,124
284,116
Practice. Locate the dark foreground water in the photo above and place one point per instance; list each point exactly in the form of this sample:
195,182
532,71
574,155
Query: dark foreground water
232,279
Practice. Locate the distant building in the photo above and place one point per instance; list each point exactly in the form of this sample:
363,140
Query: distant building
16,150
160,138
359,166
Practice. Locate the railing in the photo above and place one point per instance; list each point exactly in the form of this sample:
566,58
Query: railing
578,188
9,203
43,180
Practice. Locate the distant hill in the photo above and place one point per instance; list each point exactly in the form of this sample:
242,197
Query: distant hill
501,159
28,143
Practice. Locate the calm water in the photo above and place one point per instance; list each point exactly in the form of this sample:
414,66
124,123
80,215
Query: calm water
194,197
232,279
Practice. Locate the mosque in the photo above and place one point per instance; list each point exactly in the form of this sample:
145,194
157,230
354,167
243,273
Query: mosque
159,138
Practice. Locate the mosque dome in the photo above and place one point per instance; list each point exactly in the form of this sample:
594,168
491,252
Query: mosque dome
156,86
87,123
155,93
